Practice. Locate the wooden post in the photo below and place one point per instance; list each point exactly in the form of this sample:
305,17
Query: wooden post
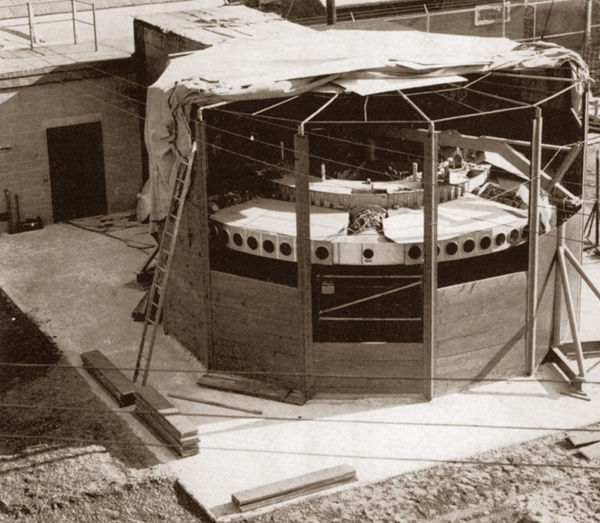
303,254
587,33
562,266
30,18
430,155
503,18
557,308
74,15
534,232
199,182
597,201
331,12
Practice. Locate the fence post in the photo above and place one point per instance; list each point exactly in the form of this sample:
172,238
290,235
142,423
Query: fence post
503,18
95,28
427,20
30,18
74,13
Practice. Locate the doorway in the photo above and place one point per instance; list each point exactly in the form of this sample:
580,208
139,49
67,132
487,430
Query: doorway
76,171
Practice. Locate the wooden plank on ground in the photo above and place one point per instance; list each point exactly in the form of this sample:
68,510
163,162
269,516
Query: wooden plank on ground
251,387
583,437
293,487
111,378
590,451
150,396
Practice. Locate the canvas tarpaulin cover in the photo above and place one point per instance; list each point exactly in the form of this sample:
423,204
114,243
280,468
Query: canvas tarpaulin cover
261,68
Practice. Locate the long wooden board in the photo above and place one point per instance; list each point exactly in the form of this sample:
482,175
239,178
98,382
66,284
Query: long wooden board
293,487
111,378
251,387
581,437
590,452
151,397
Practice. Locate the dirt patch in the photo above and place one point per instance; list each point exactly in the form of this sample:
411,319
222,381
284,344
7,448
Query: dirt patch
85,484
49,386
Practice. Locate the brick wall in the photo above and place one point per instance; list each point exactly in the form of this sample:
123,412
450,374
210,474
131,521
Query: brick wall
26,113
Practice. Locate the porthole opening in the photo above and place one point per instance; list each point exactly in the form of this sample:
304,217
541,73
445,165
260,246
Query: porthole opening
468,246
451,248
414,252
322,253
485,242
252,242
223,237
268,246
368,253
500,239
514,236
285,249
237,239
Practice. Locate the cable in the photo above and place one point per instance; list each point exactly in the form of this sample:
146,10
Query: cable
141,246
86,440
294,374
305,453
309,419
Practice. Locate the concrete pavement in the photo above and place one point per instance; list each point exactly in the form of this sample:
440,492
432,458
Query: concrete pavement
79,286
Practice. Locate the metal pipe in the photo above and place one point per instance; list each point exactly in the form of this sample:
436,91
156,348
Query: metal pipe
30,19
310,117
74,13
503,18
95,28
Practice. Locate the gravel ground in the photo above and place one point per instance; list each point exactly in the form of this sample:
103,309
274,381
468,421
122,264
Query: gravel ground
503,491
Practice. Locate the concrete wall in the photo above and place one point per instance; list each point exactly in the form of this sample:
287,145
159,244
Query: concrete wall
26,112
153,46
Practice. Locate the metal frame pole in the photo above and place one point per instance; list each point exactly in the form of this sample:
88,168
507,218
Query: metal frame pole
534,232
303,253
430,156
503,18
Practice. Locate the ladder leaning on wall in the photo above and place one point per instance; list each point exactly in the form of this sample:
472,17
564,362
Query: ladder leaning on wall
163,267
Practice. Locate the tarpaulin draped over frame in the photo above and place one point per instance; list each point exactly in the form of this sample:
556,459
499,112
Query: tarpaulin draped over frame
261,68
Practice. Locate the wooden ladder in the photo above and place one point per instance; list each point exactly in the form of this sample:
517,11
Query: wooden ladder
163,268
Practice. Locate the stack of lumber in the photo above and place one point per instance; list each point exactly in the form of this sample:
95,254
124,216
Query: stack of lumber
111,378
251,387
166,421
294,487
587,442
